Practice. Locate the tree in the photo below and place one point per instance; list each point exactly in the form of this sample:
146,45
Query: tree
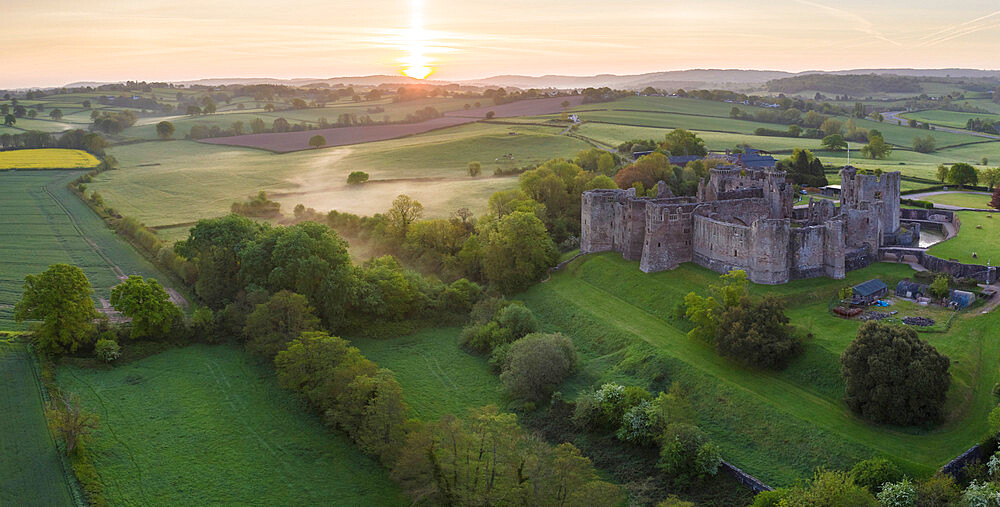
68,420
275,323
963,174
942,172
475,169
994,421
60,297
165,129
107,350
212,245
357,177
756,332
257,125
995,201
208,105
32,114
827,489
147,303
403,212
317,141
537,364
382,431
892,376
831,126
990,177
834,142
517,251
876,148
874,473
280,125
924,144
9,120
682,142
686,454
899,494
56,114
490,115
939,287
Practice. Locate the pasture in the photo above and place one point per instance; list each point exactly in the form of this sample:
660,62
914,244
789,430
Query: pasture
776,426
43,223
964,199
30,468
154,183
437,376
209,425
47,158
952,119
979,234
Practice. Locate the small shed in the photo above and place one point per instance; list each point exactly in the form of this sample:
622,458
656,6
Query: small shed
910,290
868,292
961,299
830,191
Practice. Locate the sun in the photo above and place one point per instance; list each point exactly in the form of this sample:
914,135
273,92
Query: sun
416,64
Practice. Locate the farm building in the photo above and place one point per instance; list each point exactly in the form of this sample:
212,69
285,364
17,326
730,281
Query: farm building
961,299
868,292
910,290
830,191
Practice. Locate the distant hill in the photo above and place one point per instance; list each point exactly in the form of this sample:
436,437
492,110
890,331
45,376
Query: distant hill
732,79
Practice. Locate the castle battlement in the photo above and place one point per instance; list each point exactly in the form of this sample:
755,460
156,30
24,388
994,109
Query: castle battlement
743,219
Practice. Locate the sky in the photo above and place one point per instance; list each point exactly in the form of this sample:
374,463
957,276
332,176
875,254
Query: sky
55,42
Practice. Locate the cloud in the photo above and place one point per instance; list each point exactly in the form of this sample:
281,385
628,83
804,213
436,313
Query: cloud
961,30
858,23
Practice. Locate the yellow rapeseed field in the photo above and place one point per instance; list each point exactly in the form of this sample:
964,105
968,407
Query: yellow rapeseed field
47,158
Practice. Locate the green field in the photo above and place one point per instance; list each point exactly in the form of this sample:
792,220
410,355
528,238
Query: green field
437,376
43,224
964,199
952,119
209,425
47,158
971,239
776,426
30,471
156,182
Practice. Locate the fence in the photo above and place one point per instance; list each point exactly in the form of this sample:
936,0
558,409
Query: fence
751,482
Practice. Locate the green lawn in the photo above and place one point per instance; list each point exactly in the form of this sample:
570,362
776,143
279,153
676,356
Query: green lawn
173,182
206,425
43,223
30,470
963,199
437,376
984,241
777,426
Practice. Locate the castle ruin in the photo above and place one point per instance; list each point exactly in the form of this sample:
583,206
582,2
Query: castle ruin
743,218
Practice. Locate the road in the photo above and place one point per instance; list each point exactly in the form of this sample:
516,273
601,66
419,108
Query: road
893,116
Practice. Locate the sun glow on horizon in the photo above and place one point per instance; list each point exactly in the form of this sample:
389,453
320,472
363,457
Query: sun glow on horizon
416,64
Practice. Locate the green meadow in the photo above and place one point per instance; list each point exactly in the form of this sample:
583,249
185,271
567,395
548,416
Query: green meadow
952,119
979,235
208,425
777,426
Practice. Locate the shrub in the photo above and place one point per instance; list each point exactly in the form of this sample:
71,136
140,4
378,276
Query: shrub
475,169
517,319
272,325
938,490
873,473
485,337
587,412
687,455
637,425
486,309
892,376
357,177
537,364
981,494
107,350
994,420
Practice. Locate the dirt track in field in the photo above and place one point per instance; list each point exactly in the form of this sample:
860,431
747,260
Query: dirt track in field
341,136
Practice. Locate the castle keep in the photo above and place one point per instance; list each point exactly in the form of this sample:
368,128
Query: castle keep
743,218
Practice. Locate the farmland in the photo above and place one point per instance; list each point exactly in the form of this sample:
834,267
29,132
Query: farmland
154,182
209,425
30,468
978,200
777,426
437,376
952,119
46,158
43,224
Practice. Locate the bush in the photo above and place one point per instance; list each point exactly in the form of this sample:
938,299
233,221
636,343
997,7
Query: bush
107,349
938,490
894,377
274,324
994,420
686,454
484,338
874,473
537,364
357,177
518,319
756,332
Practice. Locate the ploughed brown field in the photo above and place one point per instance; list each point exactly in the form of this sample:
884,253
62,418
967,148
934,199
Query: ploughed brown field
341,136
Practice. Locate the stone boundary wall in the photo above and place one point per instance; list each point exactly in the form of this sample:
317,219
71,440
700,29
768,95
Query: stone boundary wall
752,483
956,466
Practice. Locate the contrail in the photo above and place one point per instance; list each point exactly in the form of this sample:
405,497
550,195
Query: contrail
963,29
865,27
